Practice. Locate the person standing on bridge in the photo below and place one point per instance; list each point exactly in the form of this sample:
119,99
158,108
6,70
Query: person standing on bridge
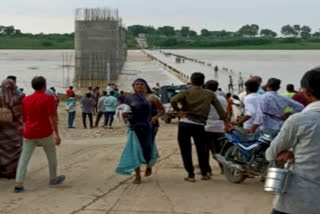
214,126
240,83
40,129
110,103
87,109
230,86
193,106
140,129
101,109
299,142
271,106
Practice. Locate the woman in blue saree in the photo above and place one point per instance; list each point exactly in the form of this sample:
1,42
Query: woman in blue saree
143,122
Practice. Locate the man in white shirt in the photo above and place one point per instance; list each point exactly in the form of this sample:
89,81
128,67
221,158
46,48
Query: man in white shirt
250,105
101,109
242,95
299,142
215,127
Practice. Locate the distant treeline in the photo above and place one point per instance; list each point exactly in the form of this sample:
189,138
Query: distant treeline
11,38
247,37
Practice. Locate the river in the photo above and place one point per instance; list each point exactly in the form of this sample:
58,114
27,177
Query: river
289,66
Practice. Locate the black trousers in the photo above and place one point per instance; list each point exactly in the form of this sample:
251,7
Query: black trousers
274,211
185,133
99,115
212,144
84,119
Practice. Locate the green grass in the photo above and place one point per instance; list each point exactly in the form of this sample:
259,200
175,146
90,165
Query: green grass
25,42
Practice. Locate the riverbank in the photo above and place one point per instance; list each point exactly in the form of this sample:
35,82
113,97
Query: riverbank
47,43
273,46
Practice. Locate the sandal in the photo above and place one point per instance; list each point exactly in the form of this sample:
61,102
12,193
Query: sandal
189,179
137,180
148,172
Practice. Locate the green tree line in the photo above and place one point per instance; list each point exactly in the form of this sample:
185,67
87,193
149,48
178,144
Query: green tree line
185,37
252,30
292,36
12,38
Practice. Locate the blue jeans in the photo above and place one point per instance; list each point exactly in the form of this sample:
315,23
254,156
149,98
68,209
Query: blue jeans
109,117
71,118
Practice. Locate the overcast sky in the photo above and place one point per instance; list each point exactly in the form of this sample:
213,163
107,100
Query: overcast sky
57,16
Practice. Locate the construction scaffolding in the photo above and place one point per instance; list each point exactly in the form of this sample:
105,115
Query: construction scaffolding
67,66
100,46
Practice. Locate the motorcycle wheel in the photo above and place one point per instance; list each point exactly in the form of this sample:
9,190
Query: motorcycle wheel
233,175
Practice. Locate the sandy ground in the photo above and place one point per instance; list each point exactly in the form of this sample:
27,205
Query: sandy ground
88,157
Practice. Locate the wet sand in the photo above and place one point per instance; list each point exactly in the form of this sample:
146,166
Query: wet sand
88,157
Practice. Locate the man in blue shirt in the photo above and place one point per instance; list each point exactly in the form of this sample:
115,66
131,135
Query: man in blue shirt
258,80
271,106
111,104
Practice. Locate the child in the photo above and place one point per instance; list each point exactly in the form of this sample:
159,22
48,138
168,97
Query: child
71,108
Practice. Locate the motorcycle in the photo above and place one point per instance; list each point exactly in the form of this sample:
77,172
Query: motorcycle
243,155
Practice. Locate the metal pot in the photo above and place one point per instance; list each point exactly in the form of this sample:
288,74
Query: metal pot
277,179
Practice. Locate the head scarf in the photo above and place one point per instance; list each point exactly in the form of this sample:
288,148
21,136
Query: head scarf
9,93
145,82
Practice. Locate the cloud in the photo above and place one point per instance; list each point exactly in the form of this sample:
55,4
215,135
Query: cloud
57,16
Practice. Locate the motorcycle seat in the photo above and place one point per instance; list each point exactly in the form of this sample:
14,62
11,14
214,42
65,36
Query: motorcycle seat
244,137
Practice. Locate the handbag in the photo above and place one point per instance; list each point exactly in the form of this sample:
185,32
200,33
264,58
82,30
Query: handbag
6,115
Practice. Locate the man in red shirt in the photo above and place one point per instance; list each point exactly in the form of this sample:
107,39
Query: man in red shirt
299,97
69,91
40,129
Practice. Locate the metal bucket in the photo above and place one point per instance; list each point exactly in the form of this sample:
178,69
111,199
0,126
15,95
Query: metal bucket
276,180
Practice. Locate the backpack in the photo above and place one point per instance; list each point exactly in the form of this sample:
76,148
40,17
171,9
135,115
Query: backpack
6,115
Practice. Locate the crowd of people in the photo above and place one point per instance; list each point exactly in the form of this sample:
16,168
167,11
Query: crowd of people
93,103
293,116
204,116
